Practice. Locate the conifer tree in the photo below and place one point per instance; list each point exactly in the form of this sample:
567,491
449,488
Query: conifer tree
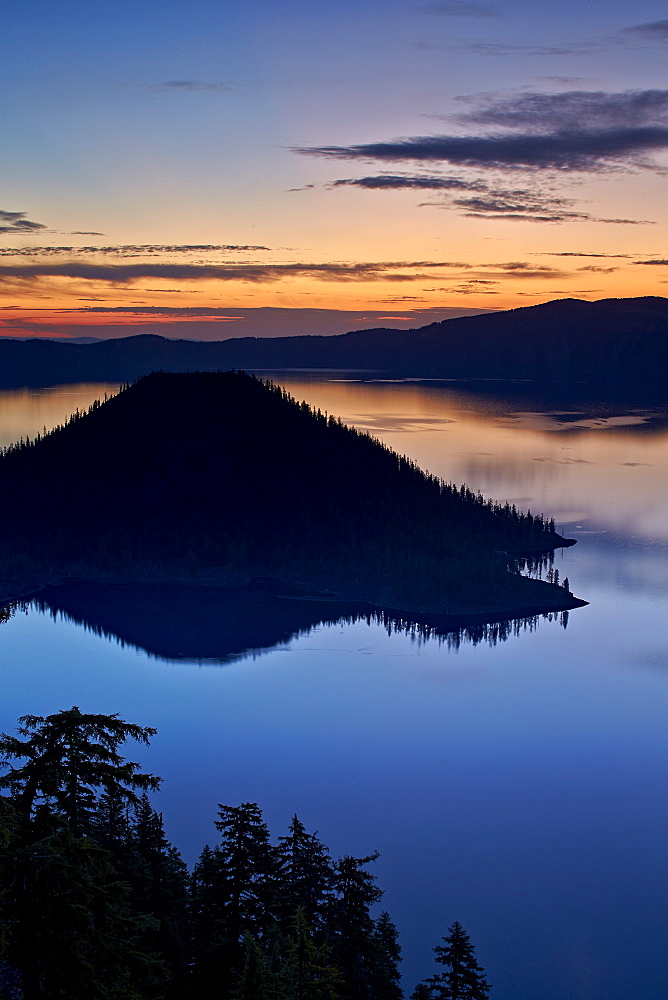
384,960
249,867
464,978
234,891
351,924
71,755
253,981
73,931
307,972
305,875
159,880
207,902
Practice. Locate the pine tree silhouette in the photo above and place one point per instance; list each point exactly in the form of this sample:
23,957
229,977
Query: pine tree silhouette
463,979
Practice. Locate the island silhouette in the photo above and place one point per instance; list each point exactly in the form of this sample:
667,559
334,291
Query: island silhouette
218,625
222,479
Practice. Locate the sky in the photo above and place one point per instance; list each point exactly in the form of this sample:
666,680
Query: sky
216,170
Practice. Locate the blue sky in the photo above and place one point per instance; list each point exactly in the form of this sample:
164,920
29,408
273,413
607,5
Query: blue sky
165,127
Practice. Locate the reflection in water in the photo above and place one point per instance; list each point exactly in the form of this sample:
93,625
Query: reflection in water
600,463
516,787
27,412
213,625
553,449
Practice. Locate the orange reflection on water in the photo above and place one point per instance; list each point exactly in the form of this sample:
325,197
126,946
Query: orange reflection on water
603,469
26,412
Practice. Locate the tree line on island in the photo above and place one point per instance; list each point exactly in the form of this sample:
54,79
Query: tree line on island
222,478
96,904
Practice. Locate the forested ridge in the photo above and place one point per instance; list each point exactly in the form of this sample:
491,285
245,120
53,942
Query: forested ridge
613,342
222,478
96,904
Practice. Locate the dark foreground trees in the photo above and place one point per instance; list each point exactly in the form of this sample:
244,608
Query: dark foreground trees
95,904
462,979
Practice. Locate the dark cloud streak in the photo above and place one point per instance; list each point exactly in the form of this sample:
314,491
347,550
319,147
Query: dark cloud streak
17,224
419,182
574,131
573,151
127,250
123,274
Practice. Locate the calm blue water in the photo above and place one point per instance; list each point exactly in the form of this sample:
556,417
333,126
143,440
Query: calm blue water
519,788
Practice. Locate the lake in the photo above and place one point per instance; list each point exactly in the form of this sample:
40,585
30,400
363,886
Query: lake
517,786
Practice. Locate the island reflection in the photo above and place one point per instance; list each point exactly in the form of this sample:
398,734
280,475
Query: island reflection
211,625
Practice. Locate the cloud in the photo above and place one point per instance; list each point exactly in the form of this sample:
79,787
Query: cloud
420,182
139,310
651,262
17,223
566,81
190,86
130,250
640,34
123,274
521,269
250,322
76,232
509,49
575,151
517,204
459,8
574,110
656,31
575,131
573,253
596,269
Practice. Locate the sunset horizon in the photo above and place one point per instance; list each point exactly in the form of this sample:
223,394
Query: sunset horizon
190,175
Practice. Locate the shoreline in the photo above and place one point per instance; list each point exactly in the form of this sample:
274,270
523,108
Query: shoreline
272,590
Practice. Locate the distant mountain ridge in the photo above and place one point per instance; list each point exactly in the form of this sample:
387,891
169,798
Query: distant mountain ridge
612,341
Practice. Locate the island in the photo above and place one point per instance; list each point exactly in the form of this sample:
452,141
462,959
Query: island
222,479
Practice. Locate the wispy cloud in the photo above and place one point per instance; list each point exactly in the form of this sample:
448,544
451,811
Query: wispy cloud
655,31
597,269
574,253
191,86
125,274
489,202
572,111
566,81
514,49
576,131
523,269
540,137
418,182
459,8
15,223
139,310
129,250
649,34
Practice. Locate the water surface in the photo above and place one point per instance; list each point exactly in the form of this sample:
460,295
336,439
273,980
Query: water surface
518,786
